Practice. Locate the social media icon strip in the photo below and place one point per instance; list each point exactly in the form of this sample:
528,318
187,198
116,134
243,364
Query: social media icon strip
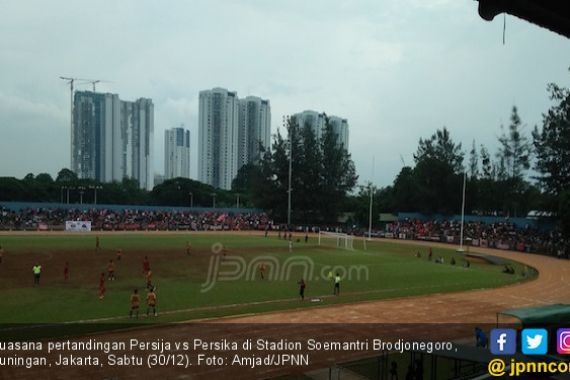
534,341
503,341
563,341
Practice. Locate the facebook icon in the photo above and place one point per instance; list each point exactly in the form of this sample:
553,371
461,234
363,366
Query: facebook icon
503,341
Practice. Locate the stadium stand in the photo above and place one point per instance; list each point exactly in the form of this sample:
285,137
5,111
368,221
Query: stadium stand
501,235
130,218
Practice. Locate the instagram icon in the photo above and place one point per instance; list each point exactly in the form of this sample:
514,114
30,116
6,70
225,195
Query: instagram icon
563,341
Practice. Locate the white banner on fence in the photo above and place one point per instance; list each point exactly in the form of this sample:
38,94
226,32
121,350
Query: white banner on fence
78,226
502,245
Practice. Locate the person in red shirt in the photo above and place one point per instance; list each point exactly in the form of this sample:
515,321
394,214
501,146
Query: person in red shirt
146,265
111,270
102,286
66,272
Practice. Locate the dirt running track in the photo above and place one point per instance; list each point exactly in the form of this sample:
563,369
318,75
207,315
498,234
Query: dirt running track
471,307
475,306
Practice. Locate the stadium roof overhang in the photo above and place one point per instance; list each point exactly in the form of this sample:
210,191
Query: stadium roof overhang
540,315
552,15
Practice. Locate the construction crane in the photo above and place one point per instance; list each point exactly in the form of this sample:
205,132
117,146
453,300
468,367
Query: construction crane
94,82
71,82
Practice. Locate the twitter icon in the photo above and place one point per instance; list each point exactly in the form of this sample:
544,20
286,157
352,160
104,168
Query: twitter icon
534,341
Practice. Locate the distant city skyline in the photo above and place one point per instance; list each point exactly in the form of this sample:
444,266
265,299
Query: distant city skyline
397,70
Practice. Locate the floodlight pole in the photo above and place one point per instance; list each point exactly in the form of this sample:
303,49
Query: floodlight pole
81,192
290,176
95,188
370,207
370,214
462,213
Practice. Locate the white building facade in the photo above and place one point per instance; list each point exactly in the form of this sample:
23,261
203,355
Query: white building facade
176,153
317,122
218,137
340,128
254,128
113,139
231,132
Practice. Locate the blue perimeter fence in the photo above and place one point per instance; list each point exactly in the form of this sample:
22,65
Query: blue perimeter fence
539,223
16,206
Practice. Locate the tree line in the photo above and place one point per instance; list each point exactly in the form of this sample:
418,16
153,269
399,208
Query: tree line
67,188
528,171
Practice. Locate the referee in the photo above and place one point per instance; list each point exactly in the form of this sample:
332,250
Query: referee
37,271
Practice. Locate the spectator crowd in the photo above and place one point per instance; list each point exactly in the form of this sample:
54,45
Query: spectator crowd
493,235
106,219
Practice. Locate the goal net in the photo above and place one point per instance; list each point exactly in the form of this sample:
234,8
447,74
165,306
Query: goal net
336,239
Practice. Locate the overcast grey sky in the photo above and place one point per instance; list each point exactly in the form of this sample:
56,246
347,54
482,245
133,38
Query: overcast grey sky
396,69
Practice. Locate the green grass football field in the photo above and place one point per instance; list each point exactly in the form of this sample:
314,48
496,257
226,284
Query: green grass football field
185,283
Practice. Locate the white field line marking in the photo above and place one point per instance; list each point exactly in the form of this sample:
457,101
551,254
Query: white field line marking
228,306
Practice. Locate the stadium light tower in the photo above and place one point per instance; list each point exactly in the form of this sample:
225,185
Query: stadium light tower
462,213
95,188
81,192
371,201
370,212
287,120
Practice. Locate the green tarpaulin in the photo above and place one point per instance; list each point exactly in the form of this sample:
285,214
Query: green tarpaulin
541,315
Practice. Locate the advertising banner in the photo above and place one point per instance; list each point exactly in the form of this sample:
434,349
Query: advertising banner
502,245
78,226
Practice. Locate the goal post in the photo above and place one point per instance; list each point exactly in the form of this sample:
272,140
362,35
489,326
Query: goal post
340,240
